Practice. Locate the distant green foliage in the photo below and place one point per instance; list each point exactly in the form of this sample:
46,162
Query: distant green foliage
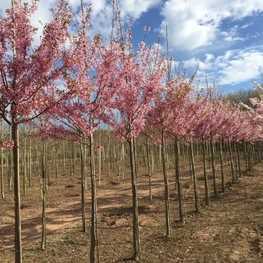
242,96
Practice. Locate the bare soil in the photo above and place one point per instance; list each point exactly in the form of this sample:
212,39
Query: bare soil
229,230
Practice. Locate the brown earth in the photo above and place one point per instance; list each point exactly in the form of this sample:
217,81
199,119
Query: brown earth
229,230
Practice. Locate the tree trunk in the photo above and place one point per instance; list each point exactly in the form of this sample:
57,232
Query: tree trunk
238,160
17,201
64,158
2,169
245,156
100,159
213,165
2,175
148,154
56,163
235,161
82,173
108,159
205,174
222,166
123,161
94,255
24,165
136,232
178,179
135,157
160,156
231,162
194,177
166,189
44,196
73,159
86,159
30,164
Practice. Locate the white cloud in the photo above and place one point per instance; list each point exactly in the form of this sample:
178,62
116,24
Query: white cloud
135,8
194,24
232,34
97,6
243,66
204,65
234,67
101,12
194,62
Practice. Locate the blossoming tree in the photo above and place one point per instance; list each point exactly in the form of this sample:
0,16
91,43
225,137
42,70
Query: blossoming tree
28,77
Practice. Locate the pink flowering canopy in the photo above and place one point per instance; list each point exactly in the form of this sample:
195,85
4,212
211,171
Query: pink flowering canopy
137,79
89,105
168,102
29,73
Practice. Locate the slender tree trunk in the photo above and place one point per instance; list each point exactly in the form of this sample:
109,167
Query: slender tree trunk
205,174
136,233
249,157
152,161
238,161
64,158
94,255
100,159
82,173
123,161
30,163
44,197
24,162
231,162
194,177
166,189
86,159
148,154
160,156
17,198
135,156
245,156
2,167
2,175
11,167
113,162
108,159
213,165
222,166
178,179
118,163
73,159
56,163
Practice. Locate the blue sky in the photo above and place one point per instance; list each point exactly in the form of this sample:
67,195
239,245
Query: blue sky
223,37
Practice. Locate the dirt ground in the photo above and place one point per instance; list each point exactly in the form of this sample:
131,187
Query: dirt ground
229,230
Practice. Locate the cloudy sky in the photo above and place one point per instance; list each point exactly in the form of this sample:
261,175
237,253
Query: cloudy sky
223,37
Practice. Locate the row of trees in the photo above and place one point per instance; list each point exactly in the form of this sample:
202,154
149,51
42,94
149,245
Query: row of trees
71,85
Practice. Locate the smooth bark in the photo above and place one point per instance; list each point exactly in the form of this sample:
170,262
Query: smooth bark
94,255
178,179
205,173
196,201
135,206
166,188
17,197
83,201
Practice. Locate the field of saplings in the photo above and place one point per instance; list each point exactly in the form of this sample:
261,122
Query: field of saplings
107,154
